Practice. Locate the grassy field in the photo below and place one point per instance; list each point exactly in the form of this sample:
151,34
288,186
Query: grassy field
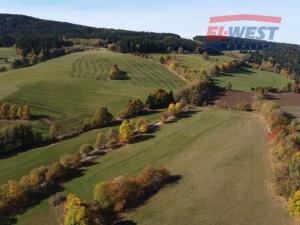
9,54
224,175
247,78
195,62
68,88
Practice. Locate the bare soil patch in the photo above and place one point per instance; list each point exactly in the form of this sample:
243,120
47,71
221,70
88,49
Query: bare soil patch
232,98
285,99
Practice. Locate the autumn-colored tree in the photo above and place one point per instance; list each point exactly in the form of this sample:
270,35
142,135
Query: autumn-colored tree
71,161
13,112
4,111
126,132
11,196
102,117
54,131
172,109
159,98
26,112
76,212
20,112
54,172
143,126
102,196
294,204
85,149
115,73
134,108
112,137
101,140
163,118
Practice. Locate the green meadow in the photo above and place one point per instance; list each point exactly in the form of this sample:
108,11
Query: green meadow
225,177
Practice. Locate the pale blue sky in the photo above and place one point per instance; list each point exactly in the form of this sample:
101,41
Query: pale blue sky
184,17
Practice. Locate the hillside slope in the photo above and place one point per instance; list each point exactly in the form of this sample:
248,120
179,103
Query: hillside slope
224,176
68,88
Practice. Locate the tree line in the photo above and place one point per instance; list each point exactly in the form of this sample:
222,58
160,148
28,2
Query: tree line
285,153
113,197
14,112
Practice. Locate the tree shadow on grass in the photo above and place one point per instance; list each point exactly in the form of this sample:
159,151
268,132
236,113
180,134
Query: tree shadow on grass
171,180
143,137
126,222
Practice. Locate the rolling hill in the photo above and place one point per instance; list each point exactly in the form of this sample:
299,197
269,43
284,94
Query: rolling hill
67,89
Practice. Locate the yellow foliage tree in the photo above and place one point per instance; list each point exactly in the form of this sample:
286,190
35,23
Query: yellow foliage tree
294,204
76,213
126,132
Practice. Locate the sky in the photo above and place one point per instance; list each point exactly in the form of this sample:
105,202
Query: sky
184,17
